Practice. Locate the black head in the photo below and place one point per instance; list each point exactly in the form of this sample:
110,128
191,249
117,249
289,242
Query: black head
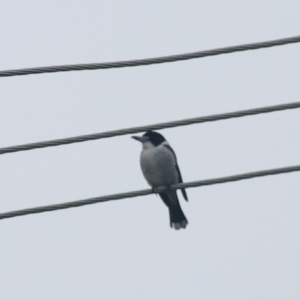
154,137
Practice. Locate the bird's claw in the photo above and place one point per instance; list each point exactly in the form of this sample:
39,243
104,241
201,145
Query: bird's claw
154,190
168,187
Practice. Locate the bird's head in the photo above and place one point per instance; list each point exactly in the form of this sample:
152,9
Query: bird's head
150,138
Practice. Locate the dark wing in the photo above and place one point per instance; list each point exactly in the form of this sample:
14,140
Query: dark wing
178,172
180,181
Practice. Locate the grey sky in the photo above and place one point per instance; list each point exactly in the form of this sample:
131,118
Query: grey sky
242,241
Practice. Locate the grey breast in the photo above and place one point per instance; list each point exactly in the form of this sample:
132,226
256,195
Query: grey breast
158,166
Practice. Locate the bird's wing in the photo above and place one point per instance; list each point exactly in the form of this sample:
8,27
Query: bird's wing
178,171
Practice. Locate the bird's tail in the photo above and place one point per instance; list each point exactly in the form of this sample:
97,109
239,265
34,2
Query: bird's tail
177,217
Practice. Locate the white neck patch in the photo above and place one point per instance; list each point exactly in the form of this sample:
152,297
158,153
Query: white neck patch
165,143
148,145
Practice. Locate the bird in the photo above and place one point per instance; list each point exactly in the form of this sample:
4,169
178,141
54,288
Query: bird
160,168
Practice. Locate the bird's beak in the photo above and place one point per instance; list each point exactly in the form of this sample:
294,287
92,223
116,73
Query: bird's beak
141,139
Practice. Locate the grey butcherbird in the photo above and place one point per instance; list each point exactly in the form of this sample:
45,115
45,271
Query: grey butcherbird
159,166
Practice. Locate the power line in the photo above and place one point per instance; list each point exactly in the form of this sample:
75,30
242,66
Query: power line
150,61
41,209
108,134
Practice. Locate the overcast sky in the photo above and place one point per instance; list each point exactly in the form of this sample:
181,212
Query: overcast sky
243,238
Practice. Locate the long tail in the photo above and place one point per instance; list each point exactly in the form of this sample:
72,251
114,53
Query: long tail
177,217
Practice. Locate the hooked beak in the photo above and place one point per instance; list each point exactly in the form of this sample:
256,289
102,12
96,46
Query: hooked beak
141,139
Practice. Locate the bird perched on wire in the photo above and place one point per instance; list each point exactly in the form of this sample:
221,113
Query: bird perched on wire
160,168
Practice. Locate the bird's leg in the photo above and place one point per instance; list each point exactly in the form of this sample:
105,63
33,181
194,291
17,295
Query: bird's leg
153,190
168,187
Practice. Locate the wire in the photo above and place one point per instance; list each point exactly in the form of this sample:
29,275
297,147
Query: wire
150,61
108,134
89,201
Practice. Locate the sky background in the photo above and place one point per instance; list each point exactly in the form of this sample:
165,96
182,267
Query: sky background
243,238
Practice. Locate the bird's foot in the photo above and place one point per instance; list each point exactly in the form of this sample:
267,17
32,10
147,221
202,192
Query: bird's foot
154,190
168,187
